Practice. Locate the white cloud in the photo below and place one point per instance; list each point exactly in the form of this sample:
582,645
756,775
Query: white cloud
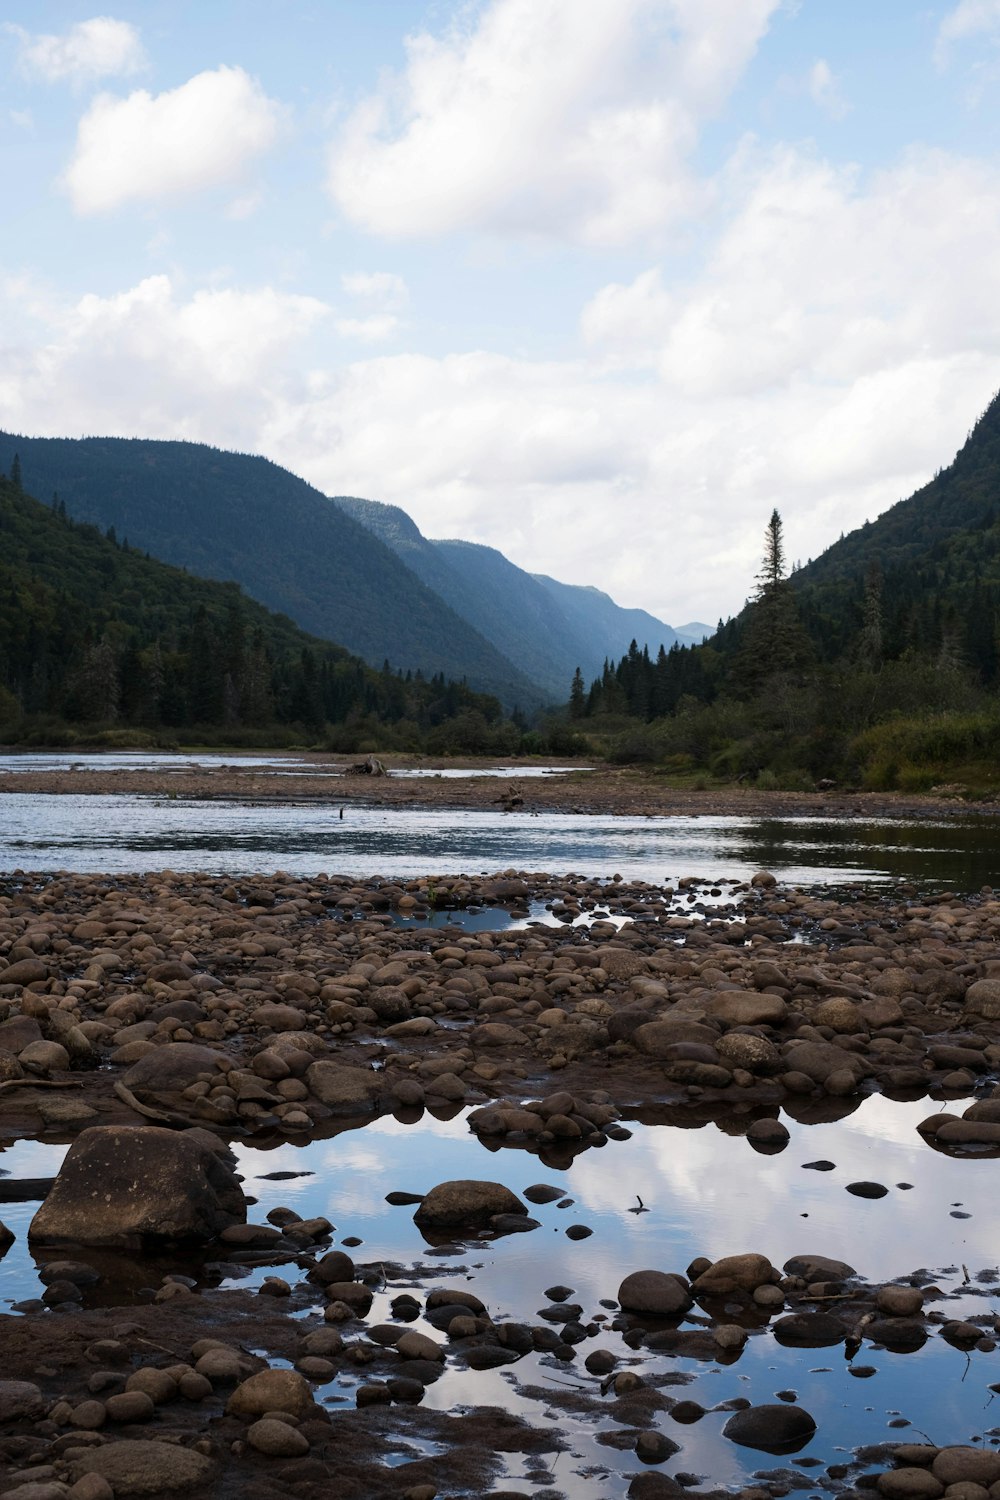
148,146
147,361
968,19
373,330
546,118
99,48
823,358
381,287
825,90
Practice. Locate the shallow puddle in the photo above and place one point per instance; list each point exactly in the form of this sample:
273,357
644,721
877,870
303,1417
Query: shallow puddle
703,1192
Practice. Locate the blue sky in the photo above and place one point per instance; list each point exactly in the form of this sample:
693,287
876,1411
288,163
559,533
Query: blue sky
597,282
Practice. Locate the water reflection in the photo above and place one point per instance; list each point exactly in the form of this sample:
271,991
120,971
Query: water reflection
707,1193
130,833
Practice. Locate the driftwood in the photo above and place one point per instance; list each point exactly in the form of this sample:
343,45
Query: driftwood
370,766
127,1097
41,1083
25,1189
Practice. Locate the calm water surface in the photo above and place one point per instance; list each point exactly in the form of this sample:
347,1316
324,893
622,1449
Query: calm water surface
707,1193
122,833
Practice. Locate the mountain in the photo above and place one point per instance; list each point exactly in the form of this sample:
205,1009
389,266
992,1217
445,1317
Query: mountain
548,628
931,564
694,632
231,516
93,632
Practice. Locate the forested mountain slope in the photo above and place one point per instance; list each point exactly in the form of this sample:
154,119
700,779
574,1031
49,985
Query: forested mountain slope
231,516
94,632
548,628
934,558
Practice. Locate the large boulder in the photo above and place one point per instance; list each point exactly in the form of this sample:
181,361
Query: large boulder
144,1467
272,1390
654,1293
466,1202
344,1089
169,1069
735,1273
773,1429
140,1186
747,1008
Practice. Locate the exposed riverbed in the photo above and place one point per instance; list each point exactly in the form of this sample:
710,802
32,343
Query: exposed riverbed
693,1063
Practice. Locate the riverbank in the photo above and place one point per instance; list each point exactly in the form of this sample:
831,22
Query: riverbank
275,1010
603,789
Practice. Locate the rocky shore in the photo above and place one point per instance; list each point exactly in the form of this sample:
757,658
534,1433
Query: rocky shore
152,1020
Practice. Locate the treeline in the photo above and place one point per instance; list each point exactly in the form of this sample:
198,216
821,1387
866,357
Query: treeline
95,635
882,682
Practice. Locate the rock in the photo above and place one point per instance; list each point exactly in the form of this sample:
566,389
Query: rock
841,1015
277,1439
734,1273
897,1333
413,1345
867,1189
44,1057
962,1465
173,1067
344,1089
272,1390
909,1484
21,1401
466,1201
655,1294
130,1406
132,1187
770,1134
542,1192
899,1301
755,1053
19,1032
25,971
773,1429
818,1060
92,1487
335,1265
818,1268
809,1330
747,1008
144,1467
654,1447
982,998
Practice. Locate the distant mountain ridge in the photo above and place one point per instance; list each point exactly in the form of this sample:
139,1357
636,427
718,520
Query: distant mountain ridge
231,516
353,571
548,628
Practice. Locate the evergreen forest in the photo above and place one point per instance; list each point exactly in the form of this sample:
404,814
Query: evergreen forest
101,644
877,665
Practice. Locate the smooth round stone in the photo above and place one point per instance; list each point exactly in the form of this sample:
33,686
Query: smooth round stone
130,1406
277,1439
867,1189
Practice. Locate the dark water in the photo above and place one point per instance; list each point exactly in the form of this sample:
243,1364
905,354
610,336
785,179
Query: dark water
707,1193
128,833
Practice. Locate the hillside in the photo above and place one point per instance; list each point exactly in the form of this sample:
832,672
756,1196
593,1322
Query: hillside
95,633
548,628
230,516
876,665
938,557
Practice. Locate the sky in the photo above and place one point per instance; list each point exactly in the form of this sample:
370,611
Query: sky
600,283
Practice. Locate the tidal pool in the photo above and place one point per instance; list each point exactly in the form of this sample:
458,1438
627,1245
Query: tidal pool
706,1192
